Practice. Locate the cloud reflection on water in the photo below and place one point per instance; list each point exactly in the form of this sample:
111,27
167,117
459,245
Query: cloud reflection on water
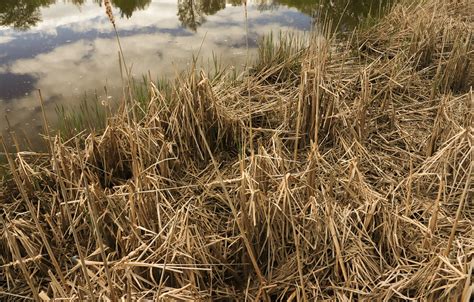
70,53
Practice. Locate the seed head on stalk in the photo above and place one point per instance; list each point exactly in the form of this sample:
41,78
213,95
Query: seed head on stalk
108,10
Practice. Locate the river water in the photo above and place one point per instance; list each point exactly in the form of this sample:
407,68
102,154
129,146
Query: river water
67,48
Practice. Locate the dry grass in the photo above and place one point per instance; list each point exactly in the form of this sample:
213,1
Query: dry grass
354,183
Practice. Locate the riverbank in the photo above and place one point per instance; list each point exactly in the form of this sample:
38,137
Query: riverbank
337,170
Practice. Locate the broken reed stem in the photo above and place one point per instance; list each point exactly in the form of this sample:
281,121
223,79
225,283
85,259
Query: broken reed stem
16,254
299,256
299,115
45,123
57,288
434,216
25,197
250,122
468,291
408,200
63,189
462,200
335,240
95,224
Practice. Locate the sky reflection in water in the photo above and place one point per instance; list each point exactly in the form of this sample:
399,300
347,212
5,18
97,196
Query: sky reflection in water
67,48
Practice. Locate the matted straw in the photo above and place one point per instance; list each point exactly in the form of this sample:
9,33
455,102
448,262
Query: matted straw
357,184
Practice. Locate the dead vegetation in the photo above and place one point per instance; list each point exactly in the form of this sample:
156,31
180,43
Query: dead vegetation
339,170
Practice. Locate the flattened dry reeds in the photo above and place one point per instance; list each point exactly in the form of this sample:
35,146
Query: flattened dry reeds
358,186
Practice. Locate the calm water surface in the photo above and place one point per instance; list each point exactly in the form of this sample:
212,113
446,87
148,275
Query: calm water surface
67,48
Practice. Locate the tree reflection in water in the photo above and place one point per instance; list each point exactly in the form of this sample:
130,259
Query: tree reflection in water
24,14
21,14
192,13
350,13
127,7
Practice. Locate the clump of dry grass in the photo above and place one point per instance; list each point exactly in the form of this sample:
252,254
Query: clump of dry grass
354,183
